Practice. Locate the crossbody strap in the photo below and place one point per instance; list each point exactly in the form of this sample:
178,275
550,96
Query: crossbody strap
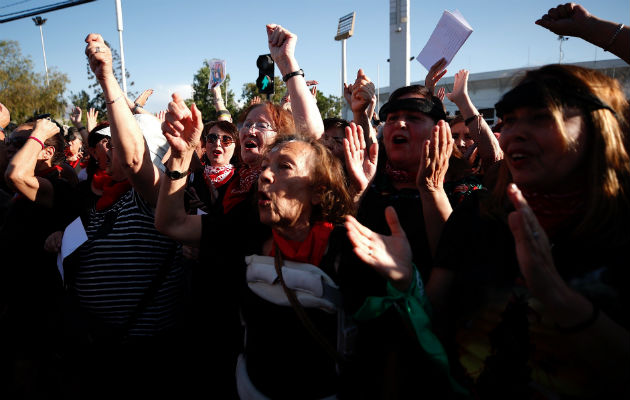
299,310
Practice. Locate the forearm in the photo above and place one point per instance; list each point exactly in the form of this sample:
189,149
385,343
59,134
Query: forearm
599,32
170,214
306,116
20,173
361,118
436,209
487,144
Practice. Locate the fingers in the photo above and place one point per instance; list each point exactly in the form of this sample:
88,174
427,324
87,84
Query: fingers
197,118
359,235
392,221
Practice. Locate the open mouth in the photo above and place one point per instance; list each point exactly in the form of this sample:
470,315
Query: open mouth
250,145
217,153
263,199
399,139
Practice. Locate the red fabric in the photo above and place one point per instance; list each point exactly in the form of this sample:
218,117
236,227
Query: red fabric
553,210
43,173
112,190
74,163
311,250
240,187
397,175
217,176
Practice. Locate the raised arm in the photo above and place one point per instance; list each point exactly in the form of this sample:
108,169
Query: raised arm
75,118
306,115
182,129
362,102
572,19
217,98
488,145
20,173
430,181
127,139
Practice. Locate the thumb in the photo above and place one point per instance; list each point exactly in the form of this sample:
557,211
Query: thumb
373,152
393,223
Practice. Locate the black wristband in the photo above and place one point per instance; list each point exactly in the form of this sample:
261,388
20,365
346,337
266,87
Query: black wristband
292,74
223,112
582,325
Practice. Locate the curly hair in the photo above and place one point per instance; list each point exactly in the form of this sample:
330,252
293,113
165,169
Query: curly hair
327,178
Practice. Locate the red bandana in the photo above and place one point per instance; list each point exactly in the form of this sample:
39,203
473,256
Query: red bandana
311,250
112,190
74,163
217,176
552,210
240,187
397,175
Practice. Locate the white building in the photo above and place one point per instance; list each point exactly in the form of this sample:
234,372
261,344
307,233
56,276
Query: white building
486,88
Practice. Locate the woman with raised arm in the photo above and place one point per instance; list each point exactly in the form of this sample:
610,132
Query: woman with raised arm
532,279
30,287
125,279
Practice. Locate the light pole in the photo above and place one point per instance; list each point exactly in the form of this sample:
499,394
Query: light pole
122,50
39,21
562,39
345,29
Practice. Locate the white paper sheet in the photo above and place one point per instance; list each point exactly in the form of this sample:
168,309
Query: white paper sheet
448,37
73,237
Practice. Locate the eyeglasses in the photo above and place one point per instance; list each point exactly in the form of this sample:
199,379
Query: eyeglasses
226,140
259,126
107,142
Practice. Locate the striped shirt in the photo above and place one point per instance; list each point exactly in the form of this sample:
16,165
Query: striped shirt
118,263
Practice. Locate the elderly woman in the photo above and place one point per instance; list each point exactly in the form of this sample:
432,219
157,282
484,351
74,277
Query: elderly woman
532,279
302,262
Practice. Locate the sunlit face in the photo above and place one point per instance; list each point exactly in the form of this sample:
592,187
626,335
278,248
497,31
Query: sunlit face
219,147
256,133
461,137
333,140
404,134
74,147
286,196
538,155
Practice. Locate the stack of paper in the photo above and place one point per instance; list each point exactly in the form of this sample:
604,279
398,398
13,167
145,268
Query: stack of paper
447,38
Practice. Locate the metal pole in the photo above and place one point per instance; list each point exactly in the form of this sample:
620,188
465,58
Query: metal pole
378,87
122,50
41,33
343,77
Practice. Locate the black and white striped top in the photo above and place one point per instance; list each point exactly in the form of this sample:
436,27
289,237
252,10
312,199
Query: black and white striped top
118,263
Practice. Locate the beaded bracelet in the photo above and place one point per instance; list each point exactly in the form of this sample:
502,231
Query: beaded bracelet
614,36
115,100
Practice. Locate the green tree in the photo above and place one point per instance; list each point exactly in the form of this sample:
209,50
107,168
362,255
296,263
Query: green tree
329,106
202,96
250,90
24,91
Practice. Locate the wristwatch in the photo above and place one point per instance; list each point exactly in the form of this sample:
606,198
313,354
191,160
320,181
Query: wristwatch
175,175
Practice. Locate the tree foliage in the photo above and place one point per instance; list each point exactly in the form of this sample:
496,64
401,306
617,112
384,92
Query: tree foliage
23,90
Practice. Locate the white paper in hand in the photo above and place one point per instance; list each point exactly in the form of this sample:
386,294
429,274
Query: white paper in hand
73,237
447,38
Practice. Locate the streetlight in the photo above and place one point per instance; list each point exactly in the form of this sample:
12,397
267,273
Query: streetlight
344,31
39,21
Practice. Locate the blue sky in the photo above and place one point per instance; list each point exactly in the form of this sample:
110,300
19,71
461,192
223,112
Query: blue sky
166,42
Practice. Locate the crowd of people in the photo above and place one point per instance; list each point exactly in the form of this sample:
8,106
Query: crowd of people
406,253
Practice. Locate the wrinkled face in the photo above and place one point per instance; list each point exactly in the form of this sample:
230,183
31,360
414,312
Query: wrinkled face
219,147
461,137
404,134
286,196
333,140
74,146
256,133
538,155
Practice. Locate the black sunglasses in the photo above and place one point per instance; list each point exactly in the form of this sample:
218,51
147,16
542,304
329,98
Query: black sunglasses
226,140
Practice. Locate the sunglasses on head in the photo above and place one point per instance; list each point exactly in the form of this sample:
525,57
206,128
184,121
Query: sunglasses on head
225,139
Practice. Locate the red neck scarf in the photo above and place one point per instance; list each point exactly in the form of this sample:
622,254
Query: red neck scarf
112,190
397,175
240,187
74,163
553,210
217,176
311,250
